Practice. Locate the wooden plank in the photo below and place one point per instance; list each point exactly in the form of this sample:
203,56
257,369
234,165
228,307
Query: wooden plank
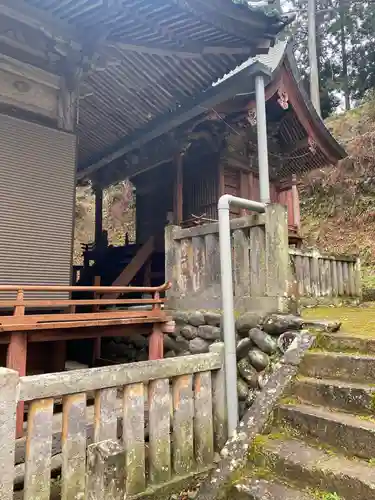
91,379
358,278
153,317
105,419
315,278
220,421
183,417
327,264
73,445
203,420
8,403
322,278
38,450
134,438
213,228
199,264
36,303
299,274
277,256
306,276
335,289
101,289
340,278
159,428
345,274
241,264
257,264
211,242
139,259
352,288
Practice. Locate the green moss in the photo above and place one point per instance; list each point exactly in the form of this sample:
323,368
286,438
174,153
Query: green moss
355,320
372,404
325,495
289,400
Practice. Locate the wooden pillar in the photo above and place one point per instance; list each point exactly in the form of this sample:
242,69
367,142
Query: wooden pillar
296,204
156,342
16,358
178,191
98,214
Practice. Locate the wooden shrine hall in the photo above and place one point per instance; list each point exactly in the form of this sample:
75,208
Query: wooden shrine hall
85,86
180,176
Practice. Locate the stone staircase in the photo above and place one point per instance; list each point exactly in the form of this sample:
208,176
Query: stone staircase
320,444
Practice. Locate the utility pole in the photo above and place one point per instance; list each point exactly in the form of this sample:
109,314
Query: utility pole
313,56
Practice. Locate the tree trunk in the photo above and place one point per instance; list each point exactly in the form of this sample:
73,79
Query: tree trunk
344,56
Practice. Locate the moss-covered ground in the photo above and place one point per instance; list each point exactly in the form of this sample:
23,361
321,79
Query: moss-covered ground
355,320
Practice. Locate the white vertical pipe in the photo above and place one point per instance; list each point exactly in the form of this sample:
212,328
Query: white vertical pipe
229,330
264,179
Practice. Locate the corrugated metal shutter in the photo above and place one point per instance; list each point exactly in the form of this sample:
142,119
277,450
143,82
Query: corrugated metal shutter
37,185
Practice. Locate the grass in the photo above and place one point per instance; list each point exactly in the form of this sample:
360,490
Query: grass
355,320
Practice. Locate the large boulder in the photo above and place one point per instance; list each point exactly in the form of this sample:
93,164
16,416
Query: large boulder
212,318
276,324
196,318
208,332
242,389
198,346
180,317
246,322
189,332
285,340
258,359
248,372
243,347
263,341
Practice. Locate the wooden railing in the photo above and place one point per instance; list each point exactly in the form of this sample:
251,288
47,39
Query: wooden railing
153,424
318,275
260,263
18,329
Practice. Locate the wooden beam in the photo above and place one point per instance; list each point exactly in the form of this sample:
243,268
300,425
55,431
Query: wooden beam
187,51
40,20
190,108
140,258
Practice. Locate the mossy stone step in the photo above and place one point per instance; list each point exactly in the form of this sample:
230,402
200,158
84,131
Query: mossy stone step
336,394
333,365
262,489
306,466
340,342
351,435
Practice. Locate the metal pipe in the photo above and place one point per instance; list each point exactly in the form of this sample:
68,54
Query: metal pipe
228,303
264,178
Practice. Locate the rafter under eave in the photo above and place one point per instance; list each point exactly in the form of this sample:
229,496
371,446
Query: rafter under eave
188,110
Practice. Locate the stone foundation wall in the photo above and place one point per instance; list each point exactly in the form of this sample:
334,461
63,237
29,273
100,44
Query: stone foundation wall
261,342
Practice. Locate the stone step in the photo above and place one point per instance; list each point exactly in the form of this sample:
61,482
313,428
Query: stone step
351,435
310,467
336,394
341,342
262,489
333,365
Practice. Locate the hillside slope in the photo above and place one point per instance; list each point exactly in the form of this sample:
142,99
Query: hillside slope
338,203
